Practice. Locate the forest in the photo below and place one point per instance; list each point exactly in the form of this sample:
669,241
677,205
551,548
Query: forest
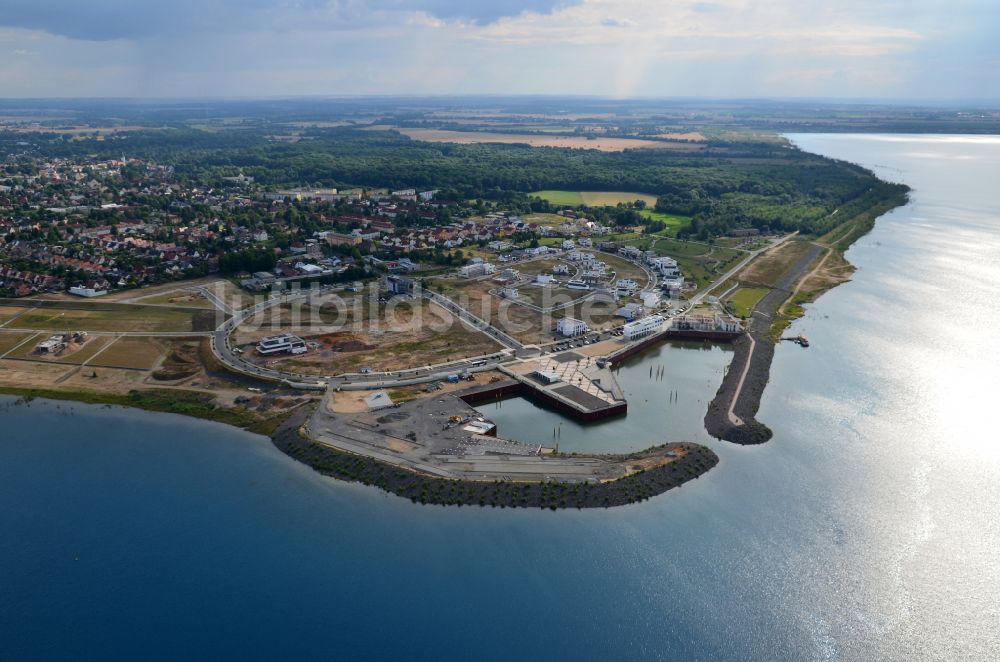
766,184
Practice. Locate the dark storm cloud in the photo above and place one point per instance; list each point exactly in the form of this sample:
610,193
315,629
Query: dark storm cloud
99,20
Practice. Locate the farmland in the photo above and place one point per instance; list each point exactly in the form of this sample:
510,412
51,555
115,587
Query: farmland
9,341
135,353
593,198
107,317
603,144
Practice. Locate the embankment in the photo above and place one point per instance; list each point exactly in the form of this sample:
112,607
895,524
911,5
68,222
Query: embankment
747,390
694,460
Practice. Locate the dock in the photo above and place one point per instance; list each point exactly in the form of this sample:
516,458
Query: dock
581,387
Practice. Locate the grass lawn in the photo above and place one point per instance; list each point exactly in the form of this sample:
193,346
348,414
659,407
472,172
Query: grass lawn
85,352
138,353
770,266
545,219
7,312
672,221
9,341
744,299
593,198
676,248
119,318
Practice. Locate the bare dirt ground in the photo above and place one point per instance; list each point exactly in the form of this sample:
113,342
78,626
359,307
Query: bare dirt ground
180,297
390,337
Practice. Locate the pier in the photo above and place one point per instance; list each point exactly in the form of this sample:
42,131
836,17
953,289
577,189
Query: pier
578,386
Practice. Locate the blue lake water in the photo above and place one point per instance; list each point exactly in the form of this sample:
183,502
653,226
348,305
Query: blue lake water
868,528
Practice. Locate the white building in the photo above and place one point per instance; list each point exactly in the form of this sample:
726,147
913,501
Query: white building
282,343
509,292
476,270
568,245
546,376
727,323
626,285
87,292
651,299
641,328
308,269
667,266
543,279
570,327
630,311
560,270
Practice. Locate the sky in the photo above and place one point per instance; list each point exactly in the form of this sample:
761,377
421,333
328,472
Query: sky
931,50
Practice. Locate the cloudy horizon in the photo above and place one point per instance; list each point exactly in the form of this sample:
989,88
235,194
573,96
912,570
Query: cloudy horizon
601,48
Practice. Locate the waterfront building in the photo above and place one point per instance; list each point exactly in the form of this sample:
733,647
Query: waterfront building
570,327
641,328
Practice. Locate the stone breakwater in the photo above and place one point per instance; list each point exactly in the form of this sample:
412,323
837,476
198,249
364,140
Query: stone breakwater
759,353
651,472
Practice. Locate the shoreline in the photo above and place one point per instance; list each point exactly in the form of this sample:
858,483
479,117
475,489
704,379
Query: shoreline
161,401
284,432
730,416
423,488
765,324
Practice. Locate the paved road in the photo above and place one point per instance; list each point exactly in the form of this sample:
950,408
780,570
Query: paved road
223,351
735,270
133,334
217,301
500,336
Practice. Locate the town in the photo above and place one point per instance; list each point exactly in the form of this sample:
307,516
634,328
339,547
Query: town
274,294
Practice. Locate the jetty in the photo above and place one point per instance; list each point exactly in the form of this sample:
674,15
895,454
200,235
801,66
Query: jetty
801,341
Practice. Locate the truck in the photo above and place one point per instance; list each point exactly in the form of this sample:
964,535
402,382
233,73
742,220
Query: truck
451,379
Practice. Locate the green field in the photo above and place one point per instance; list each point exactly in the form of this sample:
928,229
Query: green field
744,299
122,317
593,198
672,221
676,248
9,341
136,353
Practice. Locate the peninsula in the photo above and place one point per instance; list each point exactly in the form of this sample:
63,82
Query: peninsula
354,291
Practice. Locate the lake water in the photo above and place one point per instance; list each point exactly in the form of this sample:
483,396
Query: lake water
665,386
868,528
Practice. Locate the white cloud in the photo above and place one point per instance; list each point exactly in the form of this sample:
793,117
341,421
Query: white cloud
604,47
